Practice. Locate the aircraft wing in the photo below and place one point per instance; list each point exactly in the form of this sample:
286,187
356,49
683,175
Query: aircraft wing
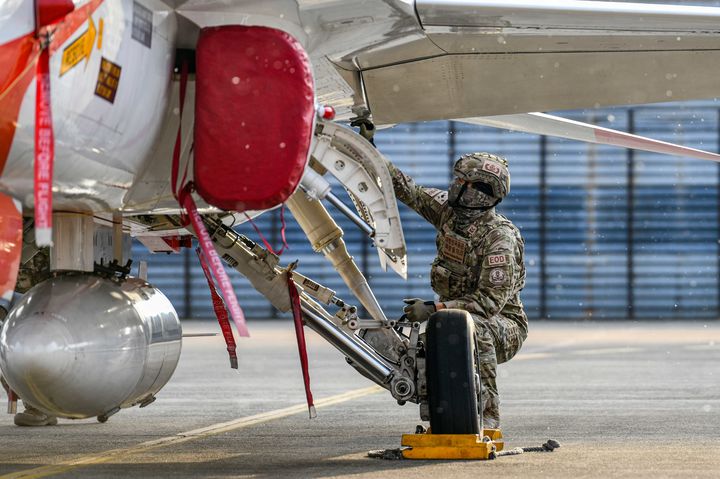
550,125
483,58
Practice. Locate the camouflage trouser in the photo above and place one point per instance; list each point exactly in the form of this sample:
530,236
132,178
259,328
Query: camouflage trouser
498,340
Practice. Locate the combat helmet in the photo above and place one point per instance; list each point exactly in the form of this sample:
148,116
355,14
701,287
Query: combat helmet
482,181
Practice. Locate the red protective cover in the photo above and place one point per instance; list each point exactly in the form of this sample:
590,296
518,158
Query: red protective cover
254,112
49,11
11,226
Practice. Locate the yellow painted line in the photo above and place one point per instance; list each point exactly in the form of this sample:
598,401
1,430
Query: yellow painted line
182,437
702,347
526,356
581,352
591,352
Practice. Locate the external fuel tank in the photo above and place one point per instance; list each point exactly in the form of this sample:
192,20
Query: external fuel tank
80,345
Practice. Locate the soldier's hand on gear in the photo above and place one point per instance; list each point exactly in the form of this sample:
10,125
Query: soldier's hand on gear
418,310
367,129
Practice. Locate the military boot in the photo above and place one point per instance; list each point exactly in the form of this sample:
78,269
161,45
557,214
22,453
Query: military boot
34,417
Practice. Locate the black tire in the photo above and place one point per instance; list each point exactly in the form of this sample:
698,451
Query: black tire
451,381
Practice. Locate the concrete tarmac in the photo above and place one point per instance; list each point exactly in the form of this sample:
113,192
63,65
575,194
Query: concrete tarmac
625,399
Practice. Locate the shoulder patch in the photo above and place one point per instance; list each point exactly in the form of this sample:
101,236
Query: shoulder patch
498,276
497,260
438,196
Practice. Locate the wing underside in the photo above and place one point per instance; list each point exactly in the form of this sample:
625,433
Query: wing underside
499,58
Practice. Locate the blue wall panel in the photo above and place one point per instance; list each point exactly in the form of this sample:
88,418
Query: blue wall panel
609,234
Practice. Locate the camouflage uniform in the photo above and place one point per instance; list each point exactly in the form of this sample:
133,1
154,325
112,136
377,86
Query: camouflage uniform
479,268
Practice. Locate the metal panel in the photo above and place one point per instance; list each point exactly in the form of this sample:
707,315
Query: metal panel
458,86
567,15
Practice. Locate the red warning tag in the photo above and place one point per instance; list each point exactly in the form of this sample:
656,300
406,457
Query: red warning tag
220,313
44,152
216,265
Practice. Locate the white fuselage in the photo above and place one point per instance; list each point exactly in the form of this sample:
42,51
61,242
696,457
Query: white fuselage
116,155
100,145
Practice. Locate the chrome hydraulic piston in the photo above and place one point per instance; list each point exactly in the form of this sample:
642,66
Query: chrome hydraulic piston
262,269
350,345
325,237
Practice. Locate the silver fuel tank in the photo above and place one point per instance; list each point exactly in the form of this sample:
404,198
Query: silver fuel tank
79,345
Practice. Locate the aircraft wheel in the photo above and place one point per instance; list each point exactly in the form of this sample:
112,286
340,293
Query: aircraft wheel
452,384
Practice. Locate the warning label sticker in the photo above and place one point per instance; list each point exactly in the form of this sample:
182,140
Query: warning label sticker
79,50
142,24
108,80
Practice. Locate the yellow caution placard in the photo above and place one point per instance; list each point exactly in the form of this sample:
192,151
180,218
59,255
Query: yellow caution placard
108,80
80,49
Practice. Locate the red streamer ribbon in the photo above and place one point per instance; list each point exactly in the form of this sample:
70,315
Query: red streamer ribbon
184,197
44,152
221,312
210,254
302,346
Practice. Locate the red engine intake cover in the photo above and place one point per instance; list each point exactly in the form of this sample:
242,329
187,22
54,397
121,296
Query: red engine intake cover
254,113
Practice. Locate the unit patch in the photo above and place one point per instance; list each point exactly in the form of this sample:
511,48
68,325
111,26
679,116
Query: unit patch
498,276
108,80
142,24
454,249
439,196
497,260
472,229
491,168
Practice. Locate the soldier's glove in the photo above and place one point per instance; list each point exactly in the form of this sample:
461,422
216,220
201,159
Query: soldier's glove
418,310
367,129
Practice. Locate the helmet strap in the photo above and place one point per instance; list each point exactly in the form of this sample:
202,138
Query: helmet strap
454,201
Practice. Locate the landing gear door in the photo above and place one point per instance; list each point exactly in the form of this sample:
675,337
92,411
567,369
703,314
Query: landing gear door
362,170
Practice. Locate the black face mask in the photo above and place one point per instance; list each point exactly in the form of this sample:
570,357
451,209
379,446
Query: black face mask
472,196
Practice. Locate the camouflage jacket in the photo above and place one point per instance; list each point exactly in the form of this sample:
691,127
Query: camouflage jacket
479,266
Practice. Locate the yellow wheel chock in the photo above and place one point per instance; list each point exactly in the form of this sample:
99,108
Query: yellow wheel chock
453,446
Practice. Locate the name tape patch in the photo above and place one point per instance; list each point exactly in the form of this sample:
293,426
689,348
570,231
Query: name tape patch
497,260
454,249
